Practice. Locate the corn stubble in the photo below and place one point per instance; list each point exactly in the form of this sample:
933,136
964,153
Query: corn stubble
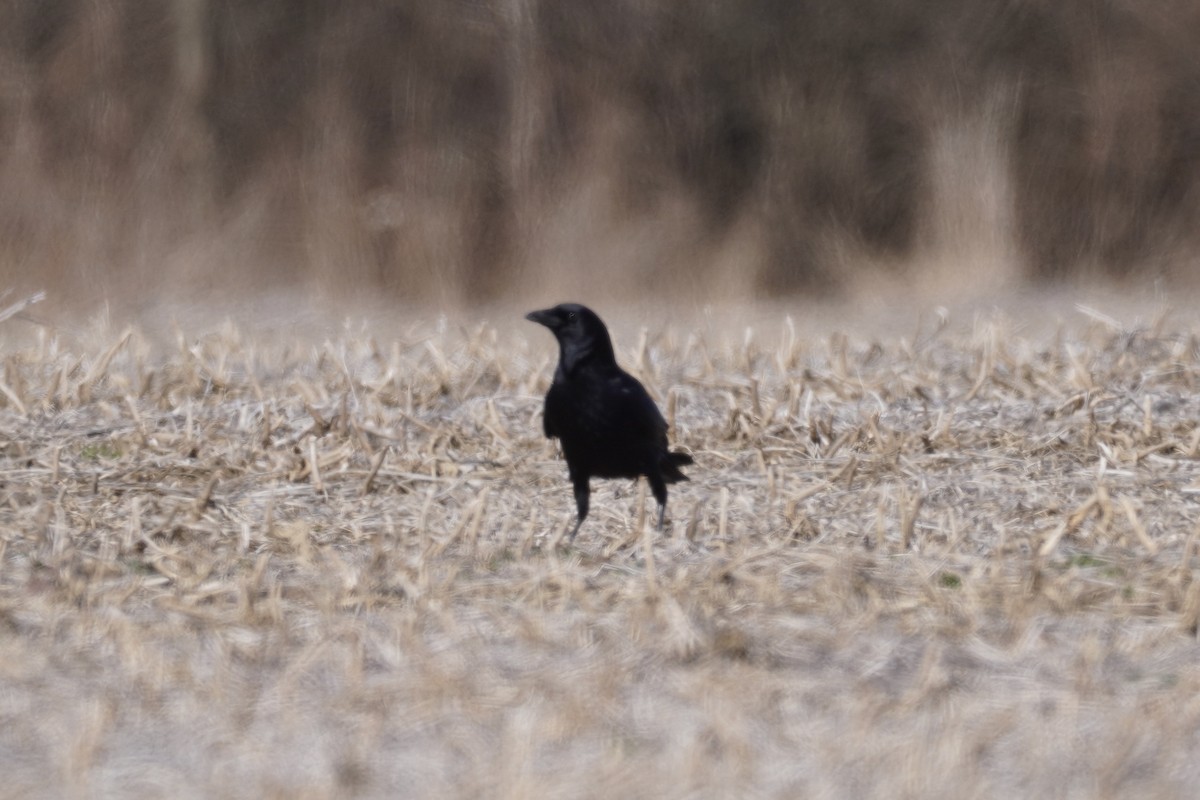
959,563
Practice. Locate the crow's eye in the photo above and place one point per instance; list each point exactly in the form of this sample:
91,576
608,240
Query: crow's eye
570,316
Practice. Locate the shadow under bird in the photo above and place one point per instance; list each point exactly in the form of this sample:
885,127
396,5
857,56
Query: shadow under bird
607,423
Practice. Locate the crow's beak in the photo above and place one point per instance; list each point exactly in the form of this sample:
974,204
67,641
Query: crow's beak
545,317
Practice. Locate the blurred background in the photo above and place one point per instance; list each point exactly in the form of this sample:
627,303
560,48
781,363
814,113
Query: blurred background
455,152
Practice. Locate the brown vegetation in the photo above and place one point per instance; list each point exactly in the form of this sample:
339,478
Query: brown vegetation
457,150
960,563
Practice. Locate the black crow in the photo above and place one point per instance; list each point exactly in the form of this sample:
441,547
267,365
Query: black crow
607,423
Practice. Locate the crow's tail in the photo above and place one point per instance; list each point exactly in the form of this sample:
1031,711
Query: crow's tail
670,464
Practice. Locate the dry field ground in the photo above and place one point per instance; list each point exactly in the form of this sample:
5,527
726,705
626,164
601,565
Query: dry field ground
954,559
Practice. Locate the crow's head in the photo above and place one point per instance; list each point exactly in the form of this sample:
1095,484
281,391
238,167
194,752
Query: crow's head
581,334
569,321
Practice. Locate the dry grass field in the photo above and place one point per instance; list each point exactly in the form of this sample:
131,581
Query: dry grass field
954,559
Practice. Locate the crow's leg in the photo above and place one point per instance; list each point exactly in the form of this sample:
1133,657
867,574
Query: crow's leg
659,487
582,490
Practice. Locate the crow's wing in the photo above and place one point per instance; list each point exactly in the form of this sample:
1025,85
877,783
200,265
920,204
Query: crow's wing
610,407
633,406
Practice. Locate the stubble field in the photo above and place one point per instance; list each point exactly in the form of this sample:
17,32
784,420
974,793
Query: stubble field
951,560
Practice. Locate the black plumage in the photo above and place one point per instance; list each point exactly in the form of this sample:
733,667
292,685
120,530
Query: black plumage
607,423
